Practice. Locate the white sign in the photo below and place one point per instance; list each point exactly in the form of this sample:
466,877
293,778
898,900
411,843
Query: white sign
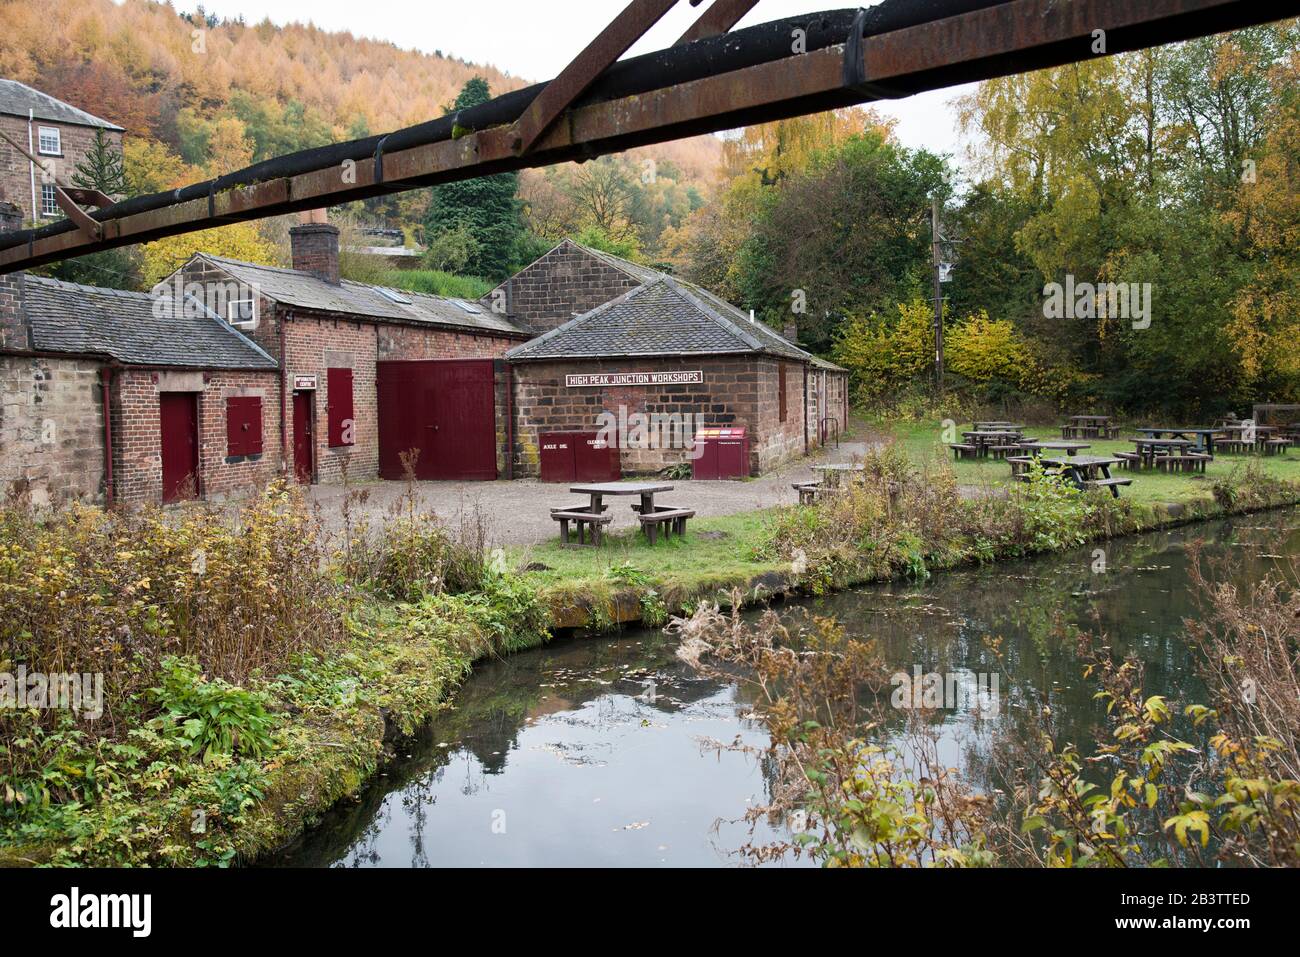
304,382
598,379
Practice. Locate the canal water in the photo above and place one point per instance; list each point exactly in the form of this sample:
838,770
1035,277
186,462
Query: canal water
595,751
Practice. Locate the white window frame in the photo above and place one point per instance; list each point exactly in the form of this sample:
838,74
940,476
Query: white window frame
41,133
241,323
50,208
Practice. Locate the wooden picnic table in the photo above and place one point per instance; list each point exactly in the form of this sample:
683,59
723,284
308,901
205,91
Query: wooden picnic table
1202,439
999,426
1090,418
597,491
983,438
1069,448
1087,470
1148,448
833,471
1087,427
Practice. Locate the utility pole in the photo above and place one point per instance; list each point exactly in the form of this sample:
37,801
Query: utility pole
938,294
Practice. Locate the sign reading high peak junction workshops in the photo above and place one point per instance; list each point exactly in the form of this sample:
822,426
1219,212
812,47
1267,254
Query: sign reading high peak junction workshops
598,379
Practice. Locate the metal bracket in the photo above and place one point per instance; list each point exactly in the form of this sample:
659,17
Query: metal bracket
855,64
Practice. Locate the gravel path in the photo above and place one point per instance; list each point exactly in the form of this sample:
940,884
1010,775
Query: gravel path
519,510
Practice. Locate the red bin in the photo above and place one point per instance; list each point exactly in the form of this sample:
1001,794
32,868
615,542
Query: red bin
723,454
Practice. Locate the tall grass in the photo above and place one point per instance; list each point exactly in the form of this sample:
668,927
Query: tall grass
434,282
114,593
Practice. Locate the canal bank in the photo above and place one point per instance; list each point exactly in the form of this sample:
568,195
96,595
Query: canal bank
346,718
594,752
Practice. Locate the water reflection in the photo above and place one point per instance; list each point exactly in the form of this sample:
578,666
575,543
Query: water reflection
588,752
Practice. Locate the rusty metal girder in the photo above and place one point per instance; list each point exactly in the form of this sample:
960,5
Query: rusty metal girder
1012,37
612,42
721,16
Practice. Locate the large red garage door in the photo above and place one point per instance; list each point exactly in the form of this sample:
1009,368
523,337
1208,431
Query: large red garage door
443,407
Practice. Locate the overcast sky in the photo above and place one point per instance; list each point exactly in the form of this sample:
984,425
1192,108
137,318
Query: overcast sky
534,39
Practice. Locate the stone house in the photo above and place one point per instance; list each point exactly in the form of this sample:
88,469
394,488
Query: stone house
57,133
188,398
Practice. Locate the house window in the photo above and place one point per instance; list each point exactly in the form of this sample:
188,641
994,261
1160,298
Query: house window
780,388
48,141
49,201
342,428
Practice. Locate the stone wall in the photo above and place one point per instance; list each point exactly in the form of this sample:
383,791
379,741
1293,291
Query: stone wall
51,429
564,283
736,391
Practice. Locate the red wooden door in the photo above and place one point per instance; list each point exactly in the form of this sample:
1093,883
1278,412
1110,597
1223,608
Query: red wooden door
304,449
179,420
446,409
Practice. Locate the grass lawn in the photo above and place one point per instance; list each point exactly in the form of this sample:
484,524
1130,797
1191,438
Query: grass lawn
923,441
713,549
719,552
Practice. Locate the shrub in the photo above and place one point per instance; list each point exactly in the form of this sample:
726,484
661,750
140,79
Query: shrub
212,717
114,593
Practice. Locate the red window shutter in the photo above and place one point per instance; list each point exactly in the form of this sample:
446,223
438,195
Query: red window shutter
243,425
780,388
341,426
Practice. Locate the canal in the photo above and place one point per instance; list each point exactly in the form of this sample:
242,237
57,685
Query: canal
595,751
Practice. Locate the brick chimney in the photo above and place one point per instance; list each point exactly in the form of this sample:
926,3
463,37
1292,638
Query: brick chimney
315,247
791,332
13,326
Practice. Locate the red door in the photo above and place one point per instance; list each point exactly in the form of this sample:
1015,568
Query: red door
179,415
446,409
304,451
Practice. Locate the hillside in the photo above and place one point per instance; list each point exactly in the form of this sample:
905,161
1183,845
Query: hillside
220,92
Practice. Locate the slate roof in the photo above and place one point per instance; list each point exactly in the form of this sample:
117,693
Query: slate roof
69,317
290,287
17,98
665,316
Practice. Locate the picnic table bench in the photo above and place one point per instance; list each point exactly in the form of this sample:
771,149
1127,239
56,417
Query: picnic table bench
1147,450
985,440
1089,427
1088,471
671,520
1201,439
587,524
594,517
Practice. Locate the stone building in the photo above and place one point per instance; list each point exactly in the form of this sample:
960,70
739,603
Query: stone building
672,359
57,133
569,280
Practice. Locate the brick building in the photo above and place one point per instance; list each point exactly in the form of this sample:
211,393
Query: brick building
189,399
672,354
368,372
57,133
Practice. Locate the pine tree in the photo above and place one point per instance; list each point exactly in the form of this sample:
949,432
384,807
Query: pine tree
101,168
484,207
